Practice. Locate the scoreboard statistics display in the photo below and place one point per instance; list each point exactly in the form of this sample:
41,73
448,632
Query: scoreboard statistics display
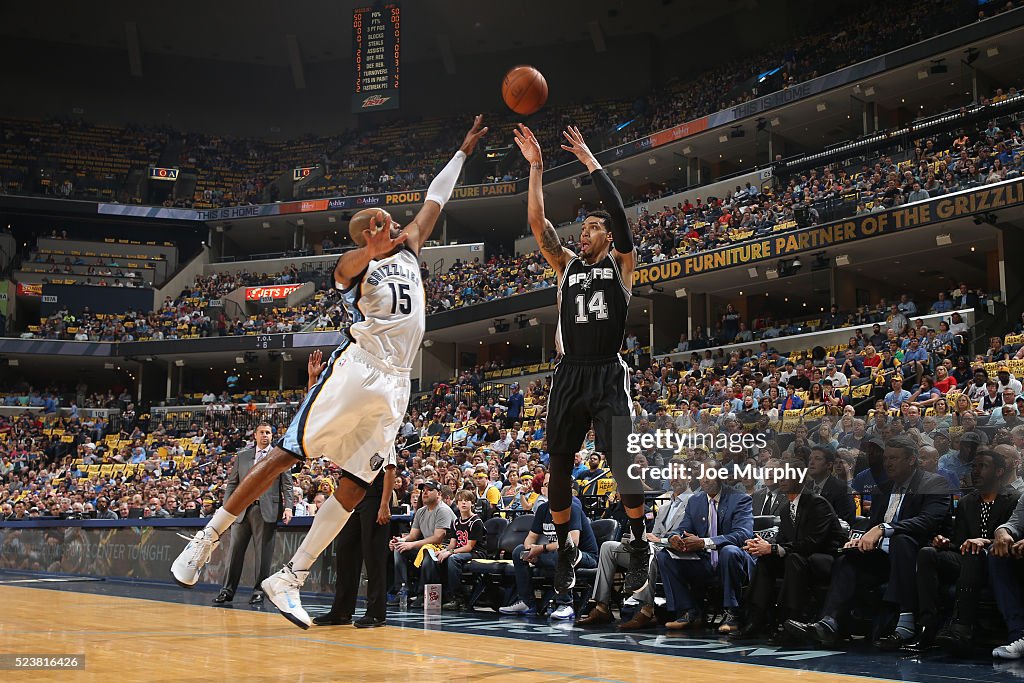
376,55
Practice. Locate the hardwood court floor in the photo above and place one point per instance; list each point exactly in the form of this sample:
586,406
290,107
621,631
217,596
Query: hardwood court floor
128,639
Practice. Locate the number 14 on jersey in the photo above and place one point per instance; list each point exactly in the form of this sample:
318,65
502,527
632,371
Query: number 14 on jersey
596,305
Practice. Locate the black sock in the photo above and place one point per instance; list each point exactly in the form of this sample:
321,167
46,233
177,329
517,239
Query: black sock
562,533
638,528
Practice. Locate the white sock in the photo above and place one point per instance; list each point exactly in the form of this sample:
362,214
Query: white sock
221,520
329,520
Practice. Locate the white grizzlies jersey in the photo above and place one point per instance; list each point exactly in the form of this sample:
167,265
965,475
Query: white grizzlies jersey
387,305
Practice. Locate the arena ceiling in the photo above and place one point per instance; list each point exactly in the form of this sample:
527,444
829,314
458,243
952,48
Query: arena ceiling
256,33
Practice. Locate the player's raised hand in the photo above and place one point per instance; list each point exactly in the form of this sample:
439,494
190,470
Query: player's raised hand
528,144
315,365
378,237
473,136
578,146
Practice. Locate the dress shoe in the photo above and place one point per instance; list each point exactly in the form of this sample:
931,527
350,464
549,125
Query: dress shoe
368,622
639,621
891,642
752,630
730,624
597,617
818,632
955,638
222,597
454,605
257,598
692,619
780,638
331,619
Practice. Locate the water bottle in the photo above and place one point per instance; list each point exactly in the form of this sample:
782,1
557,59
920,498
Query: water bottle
403,598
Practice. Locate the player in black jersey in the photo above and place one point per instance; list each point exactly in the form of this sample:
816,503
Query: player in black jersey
591,381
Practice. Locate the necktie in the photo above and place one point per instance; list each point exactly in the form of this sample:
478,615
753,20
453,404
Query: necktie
895,500
260,454
769,504
713,528
792,511
817,489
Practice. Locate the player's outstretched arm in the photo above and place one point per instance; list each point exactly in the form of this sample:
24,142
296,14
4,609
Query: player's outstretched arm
622,235
551,247
376,242
441,187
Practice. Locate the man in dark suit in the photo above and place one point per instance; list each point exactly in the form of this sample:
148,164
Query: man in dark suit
717,522
906,513
801,554
768,500
822,482
1005,572
364,538
258,521
961,559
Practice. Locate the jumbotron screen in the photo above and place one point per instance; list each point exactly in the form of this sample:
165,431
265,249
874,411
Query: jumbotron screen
376,56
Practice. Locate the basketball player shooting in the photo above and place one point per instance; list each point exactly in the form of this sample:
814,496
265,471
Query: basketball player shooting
591,381
352,414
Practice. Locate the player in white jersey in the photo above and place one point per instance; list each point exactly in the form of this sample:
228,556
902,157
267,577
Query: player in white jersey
353,412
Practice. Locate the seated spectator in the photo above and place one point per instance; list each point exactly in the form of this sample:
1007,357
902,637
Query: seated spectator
717,522
429,528
467,538
531,554
801,554
821,482
961,559
614,557
1005,561
906,514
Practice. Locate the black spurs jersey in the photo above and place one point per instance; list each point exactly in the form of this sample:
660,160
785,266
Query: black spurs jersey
592,304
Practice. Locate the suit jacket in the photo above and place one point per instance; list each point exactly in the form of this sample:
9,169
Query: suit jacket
735,518
839,496
760,499
923,510
817,528
1015,525
663,523
967,523
274,500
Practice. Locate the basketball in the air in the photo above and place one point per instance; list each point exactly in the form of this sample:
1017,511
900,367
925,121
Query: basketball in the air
524,90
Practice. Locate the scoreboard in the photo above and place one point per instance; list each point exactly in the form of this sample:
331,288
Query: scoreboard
376,56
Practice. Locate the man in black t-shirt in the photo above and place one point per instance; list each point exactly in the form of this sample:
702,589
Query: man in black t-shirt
540,549
466,538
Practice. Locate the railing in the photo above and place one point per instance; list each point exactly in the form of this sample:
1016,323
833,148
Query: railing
225,416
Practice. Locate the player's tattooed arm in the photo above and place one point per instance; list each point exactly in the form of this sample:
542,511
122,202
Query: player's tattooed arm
551,247
550,243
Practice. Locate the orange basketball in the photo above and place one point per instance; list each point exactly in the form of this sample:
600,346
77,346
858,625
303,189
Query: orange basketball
524,90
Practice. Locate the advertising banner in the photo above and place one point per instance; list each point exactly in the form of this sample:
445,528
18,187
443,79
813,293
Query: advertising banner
270,293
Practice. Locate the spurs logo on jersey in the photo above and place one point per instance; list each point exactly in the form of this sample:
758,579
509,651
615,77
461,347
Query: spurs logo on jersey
387,306
592,304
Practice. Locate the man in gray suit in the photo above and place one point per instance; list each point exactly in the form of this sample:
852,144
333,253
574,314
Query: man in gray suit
258,521
613,556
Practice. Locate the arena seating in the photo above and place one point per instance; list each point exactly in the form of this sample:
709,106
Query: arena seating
93,161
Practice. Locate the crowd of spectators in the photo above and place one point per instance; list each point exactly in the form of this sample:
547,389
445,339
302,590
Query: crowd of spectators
941,403
189,315
937,165
405,154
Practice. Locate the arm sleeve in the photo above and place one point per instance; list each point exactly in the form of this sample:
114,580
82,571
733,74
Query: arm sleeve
440,190
621,233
